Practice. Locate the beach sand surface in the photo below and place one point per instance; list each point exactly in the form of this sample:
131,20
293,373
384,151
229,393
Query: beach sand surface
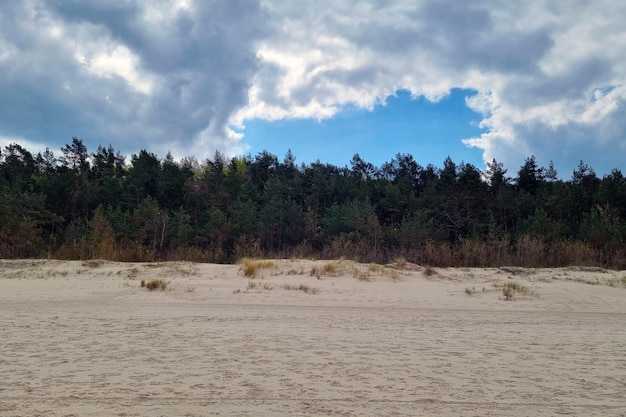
305,338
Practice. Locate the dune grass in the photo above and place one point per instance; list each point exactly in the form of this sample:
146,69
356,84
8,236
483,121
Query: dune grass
329,268
154,284
251,267
512,288
301,287
359,271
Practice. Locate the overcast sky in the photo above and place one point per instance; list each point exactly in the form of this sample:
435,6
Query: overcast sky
514,78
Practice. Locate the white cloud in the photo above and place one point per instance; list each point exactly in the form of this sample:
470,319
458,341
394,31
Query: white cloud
185,75
557,70
32,147
119,62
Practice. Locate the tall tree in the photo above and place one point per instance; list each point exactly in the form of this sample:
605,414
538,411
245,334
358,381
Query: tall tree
143,178
18,167
529,176
585,183
495,175
171,183
75,156
107,175
362,169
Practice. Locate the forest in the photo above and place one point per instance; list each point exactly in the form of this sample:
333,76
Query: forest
82,205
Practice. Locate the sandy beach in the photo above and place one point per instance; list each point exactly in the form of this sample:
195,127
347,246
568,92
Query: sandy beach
306,338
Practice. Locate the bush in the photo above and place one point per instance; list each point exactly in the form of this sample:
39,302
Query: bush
251,267
154,284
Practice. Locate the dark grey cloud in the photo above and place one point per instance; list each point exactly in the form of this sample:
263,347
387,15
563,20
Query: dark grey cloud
134,73
580,78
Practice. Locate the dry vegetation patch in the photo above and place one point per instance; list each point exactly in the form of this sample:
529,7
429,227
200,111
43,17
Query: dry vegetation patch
615,282
511,289
403,265
301,287
251,267
256,286
94,263
589,276
595,269
515,270
260,286
360,272
385,271
474,290
154,284
332,268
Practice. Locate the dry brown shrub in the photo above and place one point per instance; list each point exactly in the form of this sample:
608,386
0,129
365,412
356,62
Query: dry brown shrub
156,284
248,247
194,254
568,253
530,252
251,267
480,254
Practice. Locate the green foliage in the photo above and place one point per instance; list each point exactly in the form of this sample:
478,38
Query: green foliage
85,205
181,231
530,176
101,235
27,227
540,226
18,168
150,224
143,178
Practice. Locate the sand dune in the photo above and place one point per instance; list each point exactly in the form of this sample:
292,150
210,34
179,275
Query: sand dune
85,339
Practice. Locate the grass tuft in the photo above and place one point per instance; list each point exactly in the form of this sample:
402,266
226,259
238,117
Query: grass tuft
302,287
384,271
510,289
155,284
330,269
251,267
362,275
252,286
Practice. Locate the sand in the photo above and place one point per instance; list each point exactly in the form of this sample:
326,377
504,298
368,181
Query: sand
85,339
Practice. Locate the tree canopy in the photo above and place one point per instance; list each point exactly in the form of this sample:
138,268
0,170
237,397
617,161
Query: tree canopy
83,205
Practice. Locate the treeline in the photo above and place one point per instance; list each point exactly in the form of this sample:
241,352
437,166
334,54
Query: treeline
84,205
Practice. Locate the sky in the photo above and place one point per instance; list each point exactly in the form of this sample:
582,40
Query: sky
474,80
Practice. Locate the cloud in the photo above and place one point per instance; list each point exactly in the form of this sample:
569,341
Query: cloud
162,75
550,76
185,75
